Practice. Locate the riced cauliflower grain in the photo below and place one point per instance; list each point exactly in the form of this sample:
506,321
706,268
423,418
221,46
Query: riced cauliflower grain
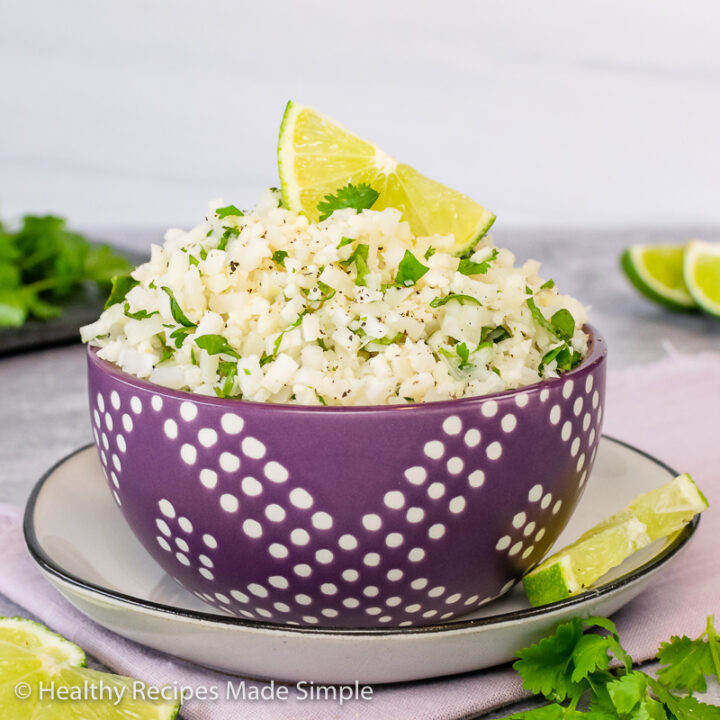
312,313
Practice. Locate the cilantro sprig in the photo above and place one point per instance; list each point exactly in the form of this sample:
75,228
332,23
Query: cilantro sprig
43,264
359,197
583,671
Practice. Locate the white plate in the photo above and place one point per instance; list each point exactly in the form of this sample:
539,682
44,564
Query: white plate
81,542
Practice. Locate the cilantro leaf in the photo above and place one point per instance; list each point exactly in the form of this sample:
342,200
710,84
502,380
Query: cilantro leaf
688,661
468,267
462,299
359,197
179,335
563,324
121,286
321,398
359,259
463,352
229,232
215,345
229,210
345,241
178,315
627,691
429,252
590,654
410,270
139,315
227,373
544,666
279,257
494,334
548,285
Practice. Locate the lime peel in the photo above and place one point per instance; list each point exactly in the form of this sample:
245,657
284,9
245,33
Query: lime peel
701,271
657,272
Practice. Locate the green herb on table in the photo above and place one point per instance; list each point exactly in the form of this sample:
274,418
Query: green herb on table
43,264
583,671
358,197
410,270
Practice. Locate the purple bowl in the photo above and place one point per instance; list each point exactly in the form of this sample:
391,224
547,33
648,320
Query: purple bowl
348,516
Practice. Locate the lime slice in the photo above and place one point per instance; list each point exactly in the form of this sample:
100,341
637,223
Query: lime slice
657,272
702,274
316,157
656,514
43,676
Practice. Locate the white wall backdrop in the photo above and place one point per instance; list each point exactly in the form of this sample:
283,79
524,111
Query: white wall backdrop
136,112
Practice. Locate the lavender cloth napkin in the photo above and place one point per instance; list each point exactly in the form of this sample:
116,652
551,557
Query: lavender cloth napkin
670,409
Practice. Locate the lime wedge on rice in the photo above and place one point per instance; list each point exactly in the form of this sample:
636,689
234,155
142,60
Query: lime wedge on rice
657,272
32,657
701,271
656,514
316,157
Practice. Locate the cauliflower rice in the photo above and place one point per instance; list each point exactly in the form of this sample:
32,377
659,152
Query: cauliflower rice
353,310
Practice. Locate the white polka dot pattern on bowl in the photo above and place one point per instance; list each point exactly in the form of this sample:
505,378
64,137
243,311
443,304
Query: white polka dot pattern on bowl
448,477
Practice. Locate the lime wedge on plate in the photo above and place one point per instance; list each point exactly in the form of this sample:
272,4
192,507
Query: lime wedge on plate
656,514
657,272
316,157
31,657
702,274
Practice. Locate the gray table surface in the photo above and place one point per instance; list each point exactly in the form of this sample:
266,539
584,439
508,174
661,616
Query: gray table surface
43,410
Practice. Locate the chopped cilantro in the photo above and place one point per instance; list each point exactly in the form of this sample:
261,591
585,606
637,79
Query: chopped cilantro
139,315
429,252
389,340
468,267
193,357
321,343
279,257
345,241
462,299
563,323
565,357
321,398
227,372
179,335
215,345
193,260
463,352
359,197
359,259
494,334
203,253
166,352
229,210
547,285
327,293
229,232
121,286
177,313
410,270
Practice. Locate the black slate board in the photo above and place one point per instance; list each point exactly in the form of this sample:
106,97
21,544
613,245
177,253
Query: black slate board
83,308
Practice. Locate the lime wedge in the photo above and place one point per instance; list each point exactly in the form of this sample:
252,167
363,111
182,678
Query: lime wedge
702,274
656,514
316,157
657,272
43,676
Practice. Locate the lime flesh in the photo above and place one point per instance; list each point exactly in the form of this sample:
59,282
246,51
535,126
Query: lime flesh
316,157
651,516
657,272
43,677
701,270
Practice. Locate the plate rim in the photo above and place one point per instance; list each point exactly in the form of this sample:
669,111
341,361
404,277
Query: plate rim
52,568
